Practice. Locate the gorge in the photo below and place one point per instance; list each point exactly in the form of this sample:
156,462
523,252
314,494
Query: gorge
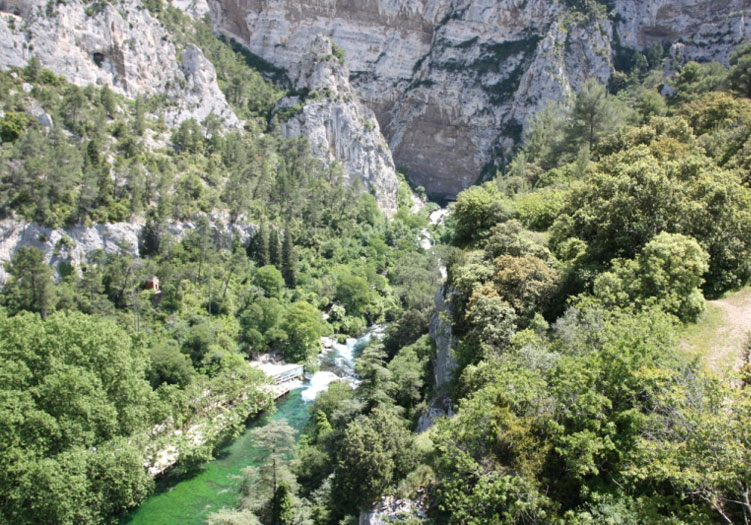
453,84
508,241
446,87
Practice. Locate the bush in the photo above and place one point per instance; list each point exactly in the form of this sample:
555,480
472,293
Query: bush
270,280
169,365
538,210
476,210
669,270
13,125
339,53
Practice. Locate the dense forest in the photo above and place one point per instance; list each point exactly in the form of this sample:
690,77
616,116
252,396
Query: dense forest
570,276
99,370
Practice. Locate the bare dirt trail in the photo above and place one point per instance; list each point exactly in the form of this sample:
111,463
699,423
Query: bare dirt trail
720,335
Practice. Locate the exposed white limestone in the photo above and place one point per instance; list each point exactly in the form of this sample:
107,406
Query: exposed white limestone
121,45
452,82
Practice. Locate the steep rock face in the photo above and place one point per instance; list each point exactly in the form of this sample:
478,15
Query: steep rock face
199,95
76,245
338,126
453,82
706,30
194,8
440,332
123,46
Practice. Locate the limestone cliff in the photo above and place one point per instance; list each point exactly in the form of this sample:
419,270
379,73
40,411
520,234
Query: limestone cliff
76,245
121,45
338,126
705,30
447,85
453,82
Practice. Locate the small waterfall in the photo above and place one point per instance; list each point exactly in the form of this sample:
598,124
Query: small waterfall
318,383
338,363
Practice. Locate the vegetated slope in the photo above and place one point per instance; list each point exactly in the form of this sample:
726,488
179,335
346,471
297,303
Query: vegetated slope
570,279
153,49
112,355
575,402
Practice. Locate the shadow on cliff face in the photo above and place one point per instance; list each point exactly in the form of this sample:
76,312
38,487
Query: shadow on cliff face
441,200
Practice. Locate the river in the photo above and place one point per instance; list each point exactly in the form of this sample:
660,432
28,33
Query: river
189,499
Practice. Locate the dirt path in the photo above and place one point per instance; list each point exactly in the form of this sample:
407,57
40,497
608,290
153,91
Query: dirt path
720,335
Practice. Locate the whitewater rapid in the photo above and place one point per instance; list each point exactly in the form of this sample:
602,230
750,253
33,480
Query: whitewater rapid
337,363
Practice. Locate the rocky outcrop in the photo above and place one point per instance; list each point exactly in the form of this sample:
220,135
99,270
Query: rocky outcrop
440,332
339,127
194,8
453,82
391,510
439,407
72,246
121,45
76,245
199,95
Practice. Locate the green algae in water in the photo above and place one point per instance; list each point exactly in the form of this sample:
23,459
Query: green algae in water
189,499
215,484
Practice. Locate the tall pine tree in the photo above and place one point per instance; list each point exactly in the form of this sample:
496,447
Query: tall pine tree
288,260
275,249
30,286
282,506
260,243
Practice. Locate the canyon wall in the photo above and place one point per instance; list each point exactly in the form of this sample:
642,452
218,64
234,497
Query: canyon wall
120,45
440,89
452,83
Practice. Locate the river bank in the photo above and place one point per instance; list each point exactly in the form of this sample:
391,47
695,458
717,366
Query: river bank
189,498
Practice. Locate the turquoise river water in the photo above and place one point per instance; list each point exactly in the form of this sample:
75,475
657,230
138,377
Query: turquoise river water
189,499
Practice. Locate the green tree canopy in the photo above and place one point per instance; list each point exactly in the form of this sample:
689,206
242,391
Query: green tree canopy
476,210
594,114
669,271
30,287
376,452
739,75
304,327
270,280
642,191
354,292
71,386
